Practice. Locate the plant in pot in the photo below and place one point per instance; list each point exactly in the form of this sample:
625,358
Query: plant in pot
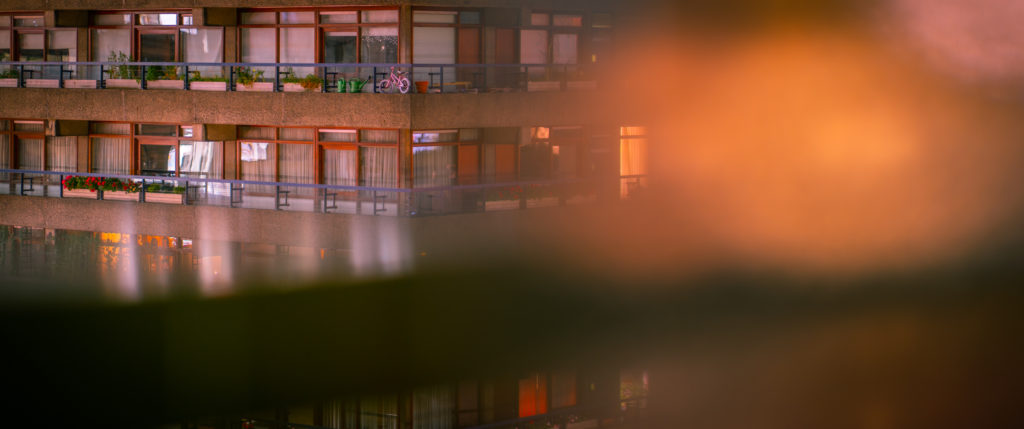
9,77
250,79
207,83
163,77
122,75
311,82
422,86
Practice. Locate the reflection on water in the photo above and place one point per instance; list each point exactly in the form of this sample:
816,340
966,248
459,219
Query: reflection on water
130,267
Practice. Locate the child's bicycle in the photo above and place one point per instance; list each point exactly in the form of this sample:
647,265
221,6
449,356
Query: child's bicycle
395,80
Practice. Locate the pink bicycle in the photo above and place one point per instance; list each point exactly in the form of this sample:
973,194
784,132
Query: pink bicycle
397,80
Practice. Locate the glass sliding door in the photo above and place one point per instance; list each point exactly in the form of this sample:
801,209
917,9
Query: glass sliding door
158,159
203,45
157,46
258,162
298,46
258,45
341,46
62,153
200,159
379,45
63,47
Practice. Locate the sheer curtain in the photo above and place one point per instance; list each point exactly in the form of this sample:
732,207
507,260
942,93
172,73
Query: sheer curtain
30,154
201,159
257,46
340,167
298,46
111,155
432,408
106,41
62,153
379,166
378,412
296,165
433,165
433,45
258,164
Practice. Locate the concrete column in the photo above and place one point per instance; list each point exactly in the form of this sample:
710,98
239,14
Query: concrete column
405,34
404,168
83,154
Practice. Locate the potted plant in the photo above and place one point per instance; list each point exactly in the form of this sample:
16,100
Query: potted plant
9,77
164,193
122,75
163,77
250,79
422,86
88,187
311,82
207,83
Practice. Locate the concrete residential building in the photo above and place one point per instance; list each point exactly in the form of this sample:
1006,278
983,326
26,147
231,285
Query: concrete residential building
475,114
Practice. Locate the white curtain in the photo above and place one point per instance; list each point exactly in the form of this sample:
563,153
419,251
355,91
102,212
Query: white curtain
201,159
379,166
633,157
298,46
296,166
432,408
258,161
433,165
62,153
564,49
204,45
340,167
533,47
433,45
257,46
30,154
111,155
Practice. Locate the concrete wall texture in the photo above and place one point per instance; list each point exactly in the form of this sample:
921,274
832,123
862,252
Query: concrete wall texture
415,111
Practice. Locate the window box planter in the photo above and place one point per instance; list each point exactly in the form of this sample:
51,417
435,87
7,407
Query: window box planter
582,84
123,83
9,83
79,83
501,205
547,85
107,195
256,87
165,84
165,197
42,83
208,86
79,193
296,87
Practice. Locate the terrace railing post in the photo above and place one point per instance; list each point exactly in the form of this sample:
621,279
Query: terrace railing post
375,79
186,77
103,81
231,78
143,77
323,86
60,189
21,75
142,192
442,79
187,200
277,79
99,194
60,79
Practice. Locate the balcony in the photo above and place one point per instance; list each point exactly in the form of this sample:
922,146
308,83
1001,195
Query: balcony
463,95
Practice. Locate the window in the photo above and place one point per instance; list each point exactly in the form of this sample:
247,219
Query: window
632,159
446,37
533,395
110,148
551,39
442,156
155,36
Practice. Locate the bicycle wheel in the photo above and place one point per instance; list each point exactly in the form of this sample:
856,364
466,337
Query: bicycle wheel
384,85
403,85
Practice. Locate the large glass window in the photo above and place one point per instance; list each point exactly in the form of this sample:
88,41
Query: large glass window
379,45
203,45
298,46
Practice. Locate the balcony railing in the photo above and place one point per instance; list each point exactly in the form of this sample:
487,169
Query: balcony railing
320,198
288,77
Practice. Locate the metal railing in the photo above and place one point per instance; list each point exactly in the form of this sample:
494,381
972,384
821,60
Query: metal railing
310,197
288,77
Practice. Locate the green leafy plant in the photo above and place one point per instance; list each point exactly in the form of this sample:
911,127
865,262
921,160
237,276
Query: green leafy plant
198,77
310,82
164,188
247,76
162,73
9,74
122,70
